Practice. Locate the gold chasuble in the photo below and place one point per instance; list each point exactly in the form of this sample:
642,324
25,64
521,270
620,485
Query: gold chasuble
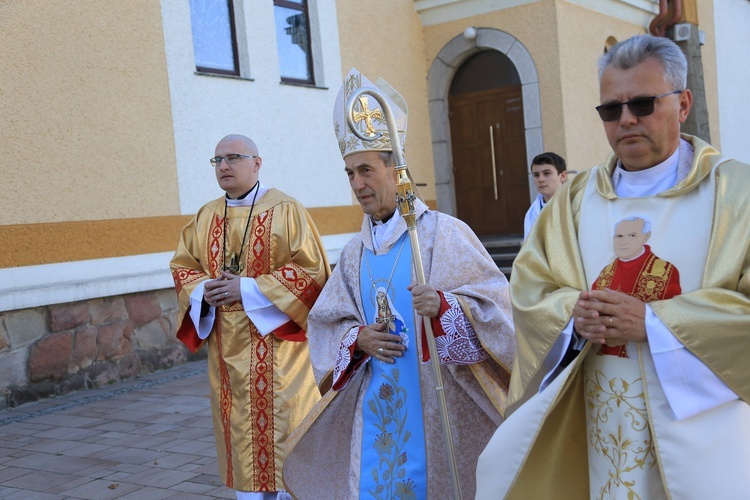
261,386
543,450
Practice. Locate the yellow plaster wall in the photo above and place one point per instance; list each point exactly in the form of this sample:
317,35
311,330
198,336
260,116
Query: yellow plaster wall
583,35
385,39
84,99
34,244
535,27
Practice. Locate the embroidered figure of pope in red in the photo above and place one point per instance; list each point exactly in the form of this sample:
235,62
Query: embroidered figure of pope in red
636,271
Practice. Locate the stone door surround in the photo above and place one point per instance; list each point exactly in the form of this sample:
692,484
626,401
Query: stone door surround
443,68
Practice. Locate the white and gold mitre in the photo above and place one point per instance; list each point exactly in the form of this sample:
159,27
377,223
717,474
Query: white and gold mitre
368,116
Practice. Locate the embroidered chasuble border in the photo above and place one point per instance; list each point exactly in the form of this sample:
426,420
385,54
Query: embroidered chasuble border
182,277
297,281
261,365
260,245
226,405
215,255
262,412
215,246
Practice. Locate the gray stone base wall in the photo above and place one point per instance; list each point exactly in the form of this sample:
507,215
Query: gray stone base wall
51,350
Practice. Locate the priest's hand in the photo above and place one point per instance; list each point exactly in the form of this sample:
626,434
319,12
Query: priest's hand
610,317
426,300
223,290
376,341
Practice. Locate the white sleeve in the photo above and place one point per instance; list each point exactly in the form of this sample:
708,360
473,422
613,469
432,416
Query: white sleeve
203,325
689,385
528,221
265,316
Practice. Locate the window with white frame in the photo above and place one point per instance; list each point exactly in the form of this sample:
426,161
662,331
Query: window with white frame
293,40
214,37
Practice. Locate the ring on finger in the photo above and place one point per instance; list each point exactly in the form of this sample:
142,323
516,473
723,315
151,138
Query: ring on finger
611,321
380,351
226,294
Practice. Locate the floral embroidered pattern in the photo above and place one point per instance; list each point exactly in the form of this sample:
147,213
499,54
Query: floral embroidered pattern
344,356
390,475
626,445
459,345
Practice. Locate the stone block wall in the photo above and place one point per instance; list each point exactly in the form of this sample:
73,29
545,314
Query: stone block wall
52,350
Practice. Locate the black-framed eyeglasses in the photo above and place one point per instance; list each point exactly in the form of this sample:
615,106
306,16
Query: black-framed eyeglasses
230,159
640,106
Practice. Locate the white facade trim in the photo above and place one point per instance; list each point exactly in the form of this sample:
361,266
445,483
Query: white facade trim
35,286
441,74
432,12
638,12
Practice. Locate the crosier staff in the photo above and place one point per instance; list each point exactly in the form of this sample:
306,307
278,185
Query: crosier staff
405,200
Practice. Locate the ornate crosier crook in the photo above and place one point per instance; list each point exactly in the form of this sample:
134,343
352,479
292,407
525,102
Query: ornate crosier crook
405,200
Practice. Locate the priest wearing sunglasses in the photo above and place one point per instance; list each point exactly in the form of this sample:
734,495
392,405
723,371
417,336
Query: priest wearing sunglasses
248,268
629,391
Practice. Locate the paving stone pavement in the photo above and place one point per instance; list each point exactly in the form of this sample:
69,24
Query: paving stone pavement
145,438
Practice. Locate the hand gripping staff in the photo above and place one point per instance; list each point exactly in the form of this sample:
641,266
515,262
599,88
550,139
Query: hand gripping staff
405,200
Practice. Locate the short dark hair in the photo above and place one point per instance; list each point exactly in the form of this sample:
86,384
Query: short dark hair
550,158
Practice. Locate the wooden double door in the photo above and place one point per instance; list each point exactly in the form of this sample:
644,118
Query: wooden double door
489,160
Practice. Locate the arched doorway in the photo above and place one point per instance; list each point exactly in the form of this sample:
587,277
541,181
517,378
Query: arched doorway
485,107
443,72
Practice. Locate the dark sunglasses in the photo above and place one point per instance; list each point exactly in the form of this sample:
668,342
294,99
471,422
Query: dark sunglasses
640,106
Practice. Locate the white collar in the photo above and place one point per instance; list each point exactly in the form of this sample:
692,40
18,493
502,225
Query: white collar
643,250
251,197
654,180
650,175
381,231
542,203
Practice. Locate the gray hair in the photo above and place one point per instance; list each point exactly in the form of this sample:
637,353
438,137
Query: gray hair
388,157
646,223
635,50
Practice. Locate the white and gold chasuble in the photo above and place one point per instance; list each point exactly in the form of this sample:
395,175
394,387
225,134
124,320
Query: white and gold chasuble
604,428
261,386
622,459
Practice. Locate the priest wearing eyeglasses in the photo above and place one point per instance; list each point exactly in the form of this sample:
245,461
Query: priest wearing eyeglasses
667,416
248,269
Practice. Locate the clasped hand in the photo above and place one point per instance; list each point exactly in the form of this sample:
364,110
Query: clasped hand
610,317
223,290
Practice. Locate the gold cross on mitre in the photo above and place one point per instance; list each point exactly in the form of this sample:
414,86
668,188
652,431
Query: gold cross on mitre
367,115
